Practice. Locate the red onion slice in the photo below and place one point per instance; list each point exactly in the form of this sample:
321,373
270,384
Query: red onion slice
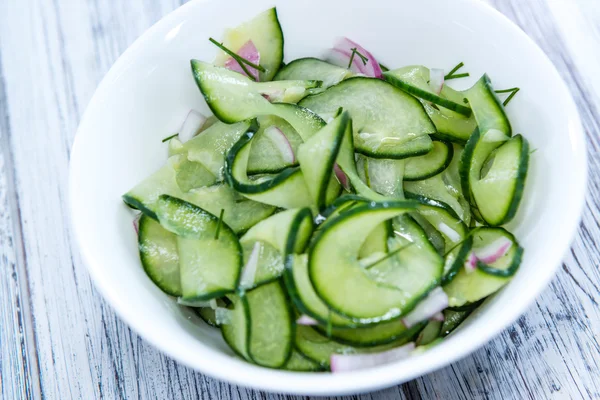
438,317
353,362
306,320
451,233
436,301
249,270
341,176
282,143
344,47
248,52
493,251
191,125
136,223
436,80
341,59
471,262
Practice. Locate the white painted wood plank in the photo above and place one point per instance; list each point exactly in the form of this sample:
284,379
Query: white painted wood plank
86,352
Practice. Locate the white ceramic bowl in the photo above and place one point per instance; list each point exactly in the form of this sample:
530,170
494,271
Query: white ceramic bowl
148,91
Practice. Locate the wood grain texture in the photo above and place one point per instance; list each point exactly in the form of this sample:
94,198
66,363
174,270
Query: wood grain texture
59,339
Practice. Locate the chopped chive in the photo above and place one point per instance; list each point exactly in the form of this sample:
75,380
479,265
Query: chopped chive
463,75
512,91
170,137
219,223
240,60
388,255
532,151
354,53
451,75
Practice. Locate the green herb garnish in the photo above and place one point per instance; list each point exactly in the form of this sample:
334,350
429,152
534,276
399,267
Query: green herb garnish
170,137
512,92
355,52
452,74
219,223
240,60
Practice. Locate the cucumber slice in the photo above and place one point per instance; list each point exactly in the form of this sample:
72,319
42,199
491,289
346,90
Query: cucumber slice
430,333
450,125
191,175
265,156
430,164
158,253
144,195
436,189
333,257
499,190
209,265
239,213
300,363
271,325
211,145
384,176
487,107
469,287
320,348
269,239
346,162
443,219
456,259
209,314
313,69
265,32
415,80
304,297
317,156
237,331
383,333
452,319
377,241
233,97
388,123
412,265
286,189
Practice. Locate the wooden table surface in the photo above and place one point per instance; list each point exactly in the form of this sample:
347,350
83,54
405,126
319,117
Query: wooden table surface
60,340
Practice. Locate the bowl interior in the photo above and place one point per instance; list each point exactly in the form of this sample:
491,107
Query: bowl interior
150,89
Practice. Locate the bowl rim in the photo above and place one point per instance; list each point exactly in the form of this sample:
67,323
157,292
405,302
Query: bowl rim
248,375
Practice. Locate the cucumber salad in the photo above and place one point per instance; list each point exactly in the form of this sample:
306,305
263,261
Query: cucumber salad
332,213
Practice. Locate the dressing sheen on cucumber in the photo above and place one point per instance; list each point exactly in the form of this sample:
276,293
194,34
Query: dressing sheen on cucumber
331,215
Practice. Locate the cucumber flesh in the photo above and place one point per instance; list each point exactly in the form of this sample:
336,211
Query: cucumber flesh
271,325
388,123
317,156
265,32
313,69
237,332
286,189
239,213
377,241
498,192
211,145
264,156
300,363
268,240
209,265
487,107
430,333
470,287
191,175
232,97
333,257
380,334
384,176
436,189
158,253
430,164
416,267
